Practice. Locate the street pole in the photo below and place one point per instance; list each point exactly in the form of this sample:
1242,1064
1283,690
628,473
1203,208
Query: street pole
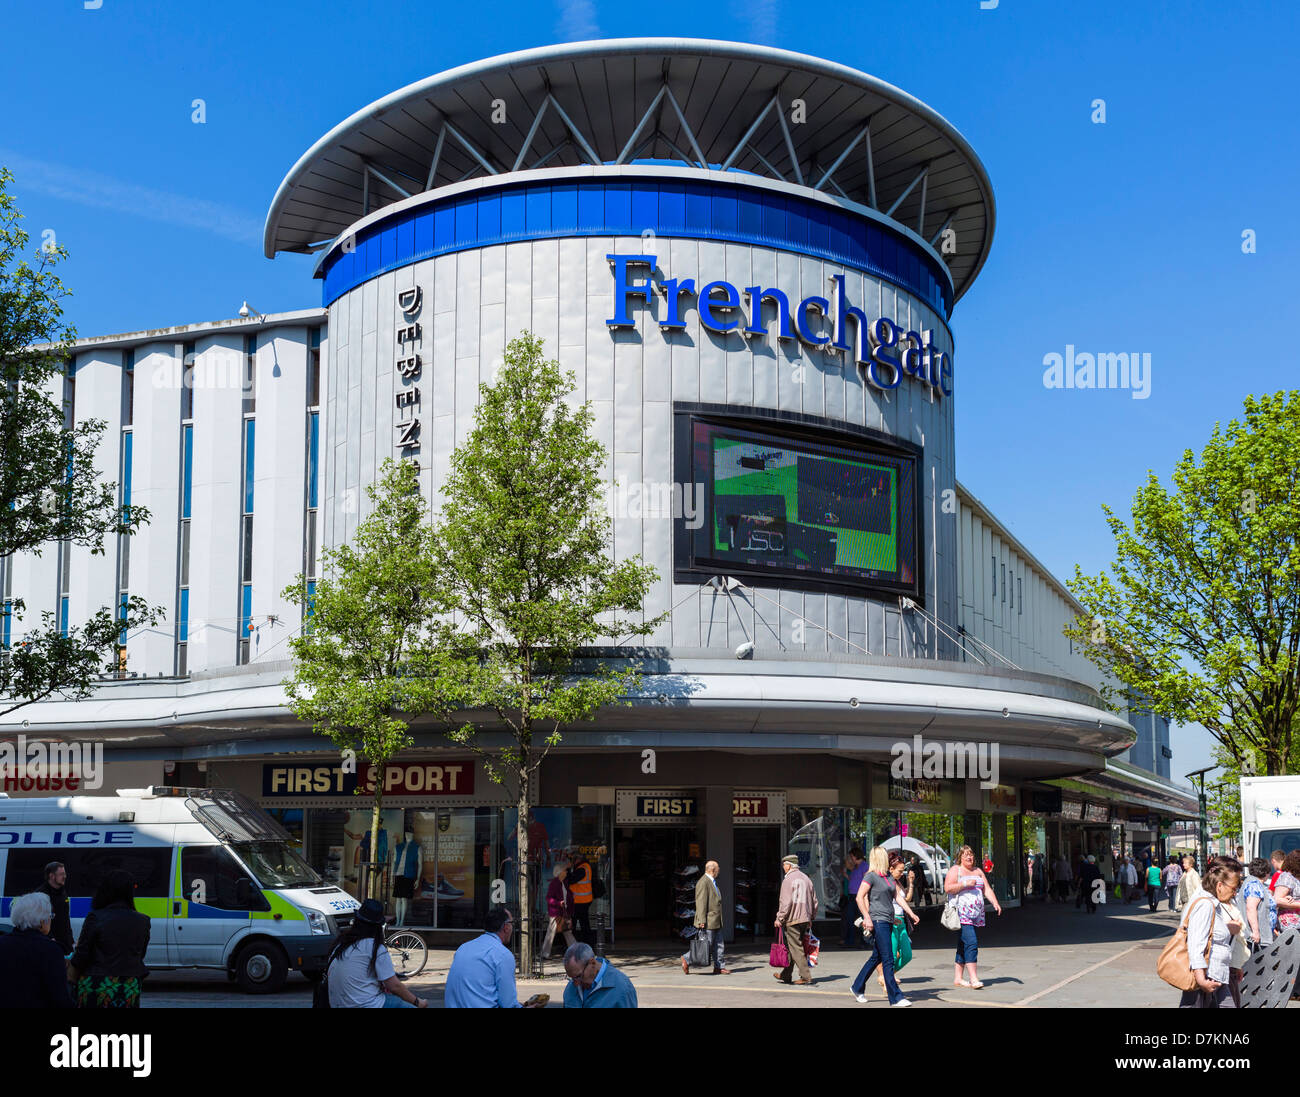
1202,824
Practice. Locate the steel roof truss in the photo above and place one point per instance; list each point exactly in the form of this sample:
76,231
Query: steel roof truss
695,145
740,145
622,156
910,187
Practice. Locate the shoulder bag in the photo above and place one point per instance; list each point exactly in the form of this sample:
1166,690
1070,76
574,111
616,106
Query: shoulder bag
779,955
1174,964
950,919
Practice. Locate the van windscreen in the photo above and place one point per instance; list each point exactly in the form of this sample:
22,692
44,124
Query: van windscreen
232,817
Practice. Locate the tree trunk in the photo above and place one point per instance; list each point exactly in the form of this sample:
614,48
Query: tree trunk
525,898
372,881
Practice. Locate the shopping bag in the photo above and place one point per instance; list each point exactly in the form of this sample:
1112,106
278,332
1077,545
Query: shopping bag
812,948
701,949
779,955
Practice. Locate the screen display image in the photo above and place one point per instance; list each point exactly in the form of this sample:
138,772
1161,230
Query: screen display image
787,505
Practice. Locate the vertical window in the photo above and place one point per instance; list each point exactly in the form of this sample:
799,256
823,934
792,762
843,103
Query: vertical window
1020,596
313,469
250,374
995,577
246,544
187,381
1004,582
124,541
65,545
183,546
1013,592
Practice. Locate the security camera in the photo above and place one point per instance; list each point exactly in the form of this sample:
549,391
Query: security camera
745,650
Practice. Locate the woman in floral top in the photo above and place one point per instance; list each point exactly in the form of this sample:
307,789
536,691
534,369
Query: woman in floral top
1257,904
1286,891
967,887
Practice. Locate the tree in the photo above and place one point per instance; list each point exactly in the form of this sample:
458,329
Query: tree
525,551
1199,618
49,491
363,668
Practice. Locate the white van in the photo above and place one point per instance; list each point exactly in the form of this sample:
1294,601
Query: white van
1270,814
217,876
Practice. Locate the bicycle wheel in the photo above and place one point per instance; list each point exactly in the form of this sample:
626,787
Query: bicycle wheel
409,953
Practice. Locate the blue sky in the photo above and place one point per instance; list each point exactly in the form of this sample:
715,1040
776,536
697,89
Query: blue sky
1124,236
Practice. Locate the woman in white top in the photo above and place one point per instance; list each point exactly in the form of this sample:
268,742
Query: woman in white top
1211,925
1188,883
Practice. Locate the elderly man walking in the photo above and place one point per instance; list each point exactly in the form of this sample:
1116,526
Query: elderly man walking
794,917
708,918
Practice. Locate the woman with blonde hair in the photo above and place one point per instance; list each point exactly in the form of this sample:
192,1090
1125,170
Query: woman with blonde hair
967,887
876,898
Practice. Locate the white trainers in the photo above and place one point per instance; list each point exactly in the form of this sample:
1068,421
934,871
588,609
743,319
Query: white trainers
901,1002
859,997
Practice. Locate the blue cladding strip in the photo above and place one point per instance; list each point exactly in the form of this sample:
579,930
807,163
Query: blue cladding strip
704,211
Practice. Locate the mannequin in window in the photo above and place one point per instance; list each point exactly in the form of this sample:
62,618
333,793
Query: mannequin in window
362,852
408,860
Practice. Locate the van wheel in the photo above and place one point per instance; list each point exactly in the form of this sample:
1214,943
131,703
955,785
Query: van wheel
261,968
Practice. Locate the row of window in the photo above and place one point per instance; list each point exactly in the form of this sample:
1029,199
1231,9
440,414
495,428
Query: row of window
1018,592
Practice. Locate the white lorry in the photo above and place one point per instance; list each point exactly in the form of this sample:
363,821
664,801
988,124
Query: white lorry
1270,814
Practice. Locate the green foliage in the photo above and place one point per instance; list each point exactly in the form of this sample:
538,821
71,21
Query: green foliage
525,547
49,489
1199,618
364,665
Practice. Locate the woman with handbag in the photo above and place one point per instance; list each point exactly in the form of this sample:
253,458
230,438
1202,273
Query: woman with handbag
1211,925
967,888
559,908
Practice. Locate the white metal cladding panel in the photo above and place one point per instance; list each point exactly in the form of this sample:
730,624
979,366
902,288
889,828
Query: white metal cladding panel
156,484
477,301
279,488
94,577
217,499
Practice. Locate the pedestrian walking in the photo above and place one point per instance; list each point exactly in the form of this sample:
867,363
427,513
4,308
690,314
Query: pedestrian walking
1155,886
794,915
1169,878
968,887
902,941
482,974
1089,874
559,909
108,962
1063,876
581,883
595,983
33,974
708,919
876,898
1258,904
1128,879
1275,859
1210,929
849,932
359,972
55,886
1189,882
1286,891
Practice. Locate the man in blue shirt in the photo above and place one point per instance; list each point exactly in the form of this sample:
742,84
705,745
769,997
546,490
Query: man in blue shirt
593,983
482,974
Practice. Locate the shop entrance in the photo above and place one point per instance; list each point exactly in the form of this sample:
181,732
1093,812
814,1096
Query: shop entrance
655,870
757,879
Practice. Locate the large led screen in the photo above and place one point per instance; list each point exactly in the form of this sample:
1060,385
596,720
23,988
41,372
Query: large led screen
786,505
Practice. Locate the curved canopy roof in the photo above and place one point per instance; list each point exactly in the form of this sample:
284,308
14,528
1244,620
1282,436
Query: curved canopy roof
718,105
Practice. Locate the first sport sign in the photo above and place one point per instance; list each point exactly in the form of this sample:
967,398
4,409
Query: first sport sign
450,778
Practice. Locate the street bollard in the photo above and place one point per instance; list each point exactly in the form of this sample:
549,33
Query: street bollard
600,934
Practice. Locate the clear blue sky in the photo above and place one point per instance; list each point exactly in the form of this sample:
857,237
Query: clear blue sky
1117,237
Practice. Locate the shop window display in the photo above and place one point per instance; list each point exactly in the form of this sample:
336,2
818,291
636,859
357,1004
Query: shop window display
554,836
818,836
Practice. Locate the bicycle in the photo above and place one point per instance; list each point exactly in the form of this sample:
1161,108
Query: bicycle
408,951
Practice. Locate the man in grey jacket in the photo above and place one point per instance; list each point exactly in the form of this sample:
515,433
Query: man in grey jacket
708,918
794,917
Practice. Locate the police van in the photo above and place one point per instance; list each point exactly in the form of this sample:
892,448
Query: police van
218,877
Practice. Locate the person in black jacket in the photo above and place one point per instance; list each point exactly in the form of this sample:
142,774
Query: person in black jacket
109,959
32,971
56,876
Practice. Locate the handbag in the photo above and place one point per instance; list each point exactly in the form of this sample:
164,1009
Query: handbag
1174,964
701,949
778,955
950,919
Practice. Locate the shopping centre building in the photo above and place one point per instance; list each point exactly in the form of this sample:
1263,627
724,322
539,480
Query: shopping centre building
749,260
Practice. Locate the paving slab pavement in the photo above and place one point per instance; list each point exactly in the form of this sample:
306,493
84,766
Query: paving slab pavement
1044,955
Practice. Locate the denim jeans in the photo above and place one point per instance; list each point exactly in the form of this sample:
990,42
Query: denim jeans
968,950
884,957
392,1001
